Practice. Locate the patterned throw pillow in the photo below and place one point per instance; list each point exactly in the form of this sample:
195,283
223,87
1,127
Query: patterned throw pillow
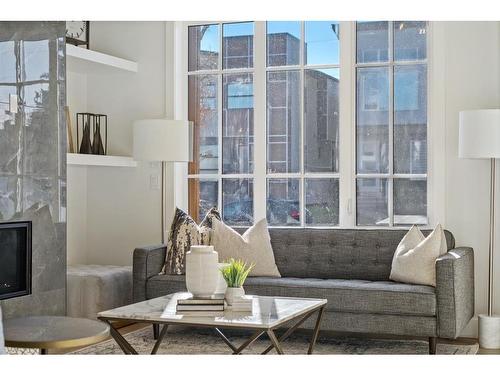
184,232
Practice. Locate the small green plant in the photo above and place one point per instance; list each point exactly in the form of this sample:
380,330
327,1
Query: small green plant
235,273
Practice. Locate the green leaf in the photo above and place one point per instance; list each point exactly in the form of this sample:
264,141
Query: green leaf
236,272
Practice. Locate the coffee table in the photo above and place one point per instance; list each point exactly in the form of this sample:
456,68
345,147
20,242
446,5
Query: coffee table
269,314
53,332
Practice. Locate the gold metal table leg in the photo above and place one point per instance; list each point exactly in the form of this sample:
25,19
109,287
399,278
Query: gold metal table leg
275,341
316,331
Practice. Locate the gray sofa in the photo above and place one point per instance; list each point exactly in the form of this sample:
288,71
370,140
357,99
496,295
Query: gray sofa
350,268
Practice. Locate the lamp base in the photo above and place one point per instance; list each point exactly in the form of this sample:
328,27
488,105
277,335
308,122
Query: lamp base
489,331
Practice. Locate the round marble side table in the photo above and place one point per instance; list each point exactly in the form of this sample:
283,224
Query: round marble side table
53,332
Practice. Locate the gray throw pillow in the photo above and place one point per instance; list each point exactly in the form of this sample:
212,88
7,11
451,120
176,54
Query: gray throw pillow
184,232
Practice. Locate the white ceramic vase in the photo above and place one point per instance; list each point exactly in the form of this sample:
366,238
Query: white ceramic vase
233,294
202,271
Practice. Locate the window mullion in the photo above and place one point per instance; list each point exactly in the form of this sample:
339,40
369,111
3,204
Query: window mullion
347,147
260,139
302,61
390,183
220,106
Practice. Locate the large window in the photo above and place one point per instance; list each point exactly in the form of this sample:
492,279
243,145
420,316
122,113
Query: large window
221,104
302,115
391,123
265,99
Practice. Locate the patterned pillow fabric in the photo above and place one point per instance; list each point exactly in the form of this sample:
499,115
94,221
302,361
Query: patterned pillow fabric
184,232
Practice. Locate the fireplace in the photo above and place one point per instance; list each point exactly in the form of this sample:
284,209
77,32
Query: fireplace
15,259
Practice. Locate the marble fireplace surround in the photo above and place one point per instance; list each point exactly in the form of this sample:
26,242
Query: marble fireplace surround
33,156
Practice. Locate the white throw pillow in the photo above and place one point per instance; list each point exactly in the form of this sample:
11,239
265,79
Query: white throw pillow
414,261
253,247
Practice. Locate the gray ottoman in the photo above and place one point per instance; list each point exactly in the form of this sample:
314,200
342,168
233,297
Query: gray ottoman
95,288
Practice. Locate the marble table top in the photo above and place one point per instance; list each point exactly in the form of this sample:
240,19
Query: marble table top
48,332
267,312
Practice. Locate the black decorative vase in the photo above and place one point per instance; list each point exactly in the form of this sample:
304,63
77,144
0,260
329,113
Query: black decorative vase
97,146
86,146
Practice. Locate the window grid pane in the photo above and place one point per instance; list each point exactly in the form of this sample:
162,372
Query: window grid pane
237,50
283,122
410,201
203,45
372,120
204,194
237,201
283,204
321,201
322,43
237,124
202,111
283,43
372,204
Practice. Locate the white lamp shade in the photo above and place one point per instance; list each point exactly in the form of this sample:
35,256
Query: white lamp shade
163,140
479,134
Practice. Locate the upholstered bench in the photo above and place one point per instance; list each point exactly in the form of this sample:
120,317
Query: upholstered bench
95,288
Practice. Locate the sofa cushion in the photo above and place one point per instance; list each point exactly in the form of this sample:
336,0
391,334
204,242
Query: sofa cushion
357,296
362,254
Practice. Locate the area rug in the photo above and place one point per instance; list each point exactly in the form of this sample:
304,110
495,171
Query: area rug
202,341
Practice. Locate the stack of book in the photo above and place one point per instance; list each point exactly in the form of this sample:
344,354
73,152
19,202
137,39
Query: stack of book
213,306
242,304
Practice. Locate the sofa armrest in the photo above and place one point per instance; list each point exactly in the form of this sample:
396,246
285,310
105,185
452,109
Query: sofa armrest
454,291
148,261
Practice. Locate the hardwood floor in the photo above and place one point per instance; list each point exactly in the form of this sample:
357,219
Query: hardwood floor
134,327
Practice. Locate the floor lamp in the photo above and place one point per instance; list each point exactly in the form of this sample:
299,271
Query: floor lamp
165,141
479,138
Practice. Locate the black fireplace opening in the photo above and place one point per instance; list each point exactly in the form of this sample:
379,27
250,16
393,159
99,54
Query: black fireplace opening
15,259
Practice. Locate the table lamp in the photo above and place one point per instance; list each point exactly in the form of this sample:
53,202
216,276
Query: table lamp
479,138
166,141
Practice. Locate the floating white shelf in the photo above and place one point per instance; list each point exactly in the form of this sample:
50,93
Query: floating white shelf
100,160
84,60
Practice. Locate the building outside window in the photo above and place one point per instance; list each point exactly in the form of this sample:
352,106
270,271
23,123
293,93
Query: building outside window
300,76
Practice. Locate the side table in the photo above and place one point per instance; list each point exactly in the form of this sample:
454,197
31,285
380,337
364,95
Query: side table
53,332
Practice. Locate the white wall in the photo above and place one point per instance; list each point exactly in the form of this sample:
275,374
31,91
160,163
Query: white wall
76,89
77,215
472,77
122,212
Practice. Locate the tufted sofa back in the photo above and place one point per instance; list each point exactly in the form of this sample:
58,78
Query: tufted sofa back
364,254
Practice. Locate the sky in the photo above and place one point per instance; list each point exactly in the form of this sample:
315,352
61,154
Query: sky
322,43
